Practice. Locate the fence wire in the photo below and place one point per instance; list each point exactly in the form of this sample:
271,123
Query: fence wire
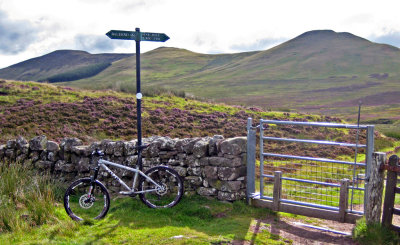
328,174
331,173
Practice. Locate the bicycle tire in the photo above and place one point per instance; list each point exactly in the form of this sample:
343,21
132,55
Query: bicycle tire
169,195
77,204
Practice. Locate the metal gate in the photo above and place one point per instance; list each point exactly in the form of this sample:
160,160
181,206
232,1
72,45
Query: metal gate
304,179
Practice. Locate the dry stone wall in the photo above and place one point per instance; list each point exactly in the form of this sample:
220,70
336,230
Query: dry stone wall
212,166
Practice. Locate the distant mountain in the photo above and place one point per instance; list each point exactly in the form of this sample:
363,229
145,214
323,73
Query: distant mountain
55,63
319,71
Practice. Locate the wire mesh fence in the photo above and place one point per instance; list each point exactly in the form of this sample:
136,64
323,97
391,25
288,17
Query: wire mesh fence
325,178
312,168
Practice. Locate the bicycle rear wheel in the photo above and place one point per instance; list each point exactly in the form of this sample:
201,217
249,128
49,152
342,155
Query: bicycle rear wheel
170,189
81,203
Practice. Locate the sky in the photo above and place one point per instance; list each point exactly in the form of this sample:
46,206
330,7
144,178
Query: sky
31,28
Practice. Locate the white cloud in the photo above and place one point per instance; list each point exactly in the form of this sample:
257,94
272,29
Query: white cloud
200,26
16,35
392,38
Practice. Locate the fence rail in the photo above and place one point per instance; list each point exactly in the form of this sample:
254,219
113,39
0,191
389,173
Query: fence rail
316,124
317,180
321,142
321,188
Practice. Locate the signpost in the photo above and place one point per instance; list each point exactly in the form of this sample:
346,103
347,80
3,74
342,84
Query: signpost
133,35
138,37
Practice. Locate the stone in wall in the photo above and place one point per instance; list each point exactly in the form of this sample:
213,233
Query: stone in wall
130,147
200,148
211,166
38,143
204,191
68,143
233,146
52,146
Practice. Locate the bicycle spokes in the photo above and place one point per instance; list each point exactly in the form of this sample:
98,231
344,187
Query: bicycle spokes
168,192
85,200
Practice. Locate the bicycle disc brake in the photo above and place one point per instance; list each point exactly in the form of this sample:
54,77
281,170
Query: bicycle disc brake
85,201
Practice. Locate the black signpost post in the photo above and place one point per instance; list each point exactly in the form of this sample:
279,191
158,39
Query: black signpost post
138,37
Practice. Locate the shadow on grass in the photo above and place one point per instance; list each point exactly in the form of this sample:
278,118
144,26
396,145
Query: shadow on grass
215,219
100,235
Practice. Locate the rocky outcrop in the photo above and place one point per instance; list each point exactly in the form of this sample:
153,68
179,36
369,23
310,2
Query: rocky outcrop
212,166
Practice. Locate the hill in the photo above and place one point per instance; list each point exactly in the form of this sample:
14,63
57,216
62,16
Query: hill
30,109
55,63
318,72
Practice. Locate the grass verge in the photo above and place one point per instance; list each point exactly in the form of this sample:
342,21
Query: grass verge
26,199
31,213
374,234
195,220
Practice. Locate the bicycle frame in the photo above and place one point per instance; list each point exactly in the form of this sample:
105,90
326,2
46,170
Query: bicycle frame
102,163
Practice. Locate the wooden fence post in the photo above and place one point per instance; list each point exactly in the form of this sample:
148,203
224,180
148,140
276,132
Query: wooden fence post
374,189
277,190
391,183
344,199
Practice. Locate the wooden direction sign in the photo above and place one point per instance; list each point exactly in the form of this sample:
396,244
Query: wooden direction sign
137,36
124,35
155,37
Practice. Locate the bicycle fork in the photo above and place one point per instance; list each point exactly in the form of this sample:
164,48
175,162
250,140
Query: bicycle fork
92,181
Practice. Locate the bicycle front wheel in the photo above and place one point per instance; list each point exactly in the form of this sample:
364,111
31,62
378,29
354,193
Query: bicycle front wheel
84,200
168,191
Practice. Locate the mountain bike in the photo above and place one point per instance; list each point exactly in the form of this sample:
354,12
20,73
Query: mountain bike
88,198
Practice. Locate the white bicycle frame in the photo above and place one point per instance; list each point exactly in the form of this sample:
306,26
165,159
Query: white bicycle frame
102,163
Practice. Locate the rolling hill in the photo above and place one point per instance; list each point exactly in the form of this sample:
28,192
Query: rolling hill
55,63
319,71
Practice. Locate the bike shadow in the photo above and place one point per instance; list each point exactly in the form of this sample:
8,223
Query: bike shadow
210,217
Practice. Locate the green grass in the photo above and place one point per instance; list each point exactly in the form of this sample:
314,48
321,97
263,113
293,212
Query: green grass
26,199
31,212
194,221
374,234
391,128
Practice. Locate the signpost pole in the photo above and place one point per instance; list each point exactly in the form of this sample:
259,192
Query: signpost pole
138,37
138,98
138,93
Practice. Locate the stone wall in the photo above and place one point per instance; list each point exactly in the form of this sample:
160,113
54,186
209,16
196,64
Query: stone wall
212,166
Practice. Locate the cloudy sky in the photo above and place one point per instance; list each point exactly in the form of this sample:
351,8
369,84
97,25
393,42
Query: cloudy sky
31,28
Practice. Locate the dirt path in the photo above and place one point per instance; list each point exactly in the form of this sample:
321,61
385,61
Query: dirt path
298,234
293,233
